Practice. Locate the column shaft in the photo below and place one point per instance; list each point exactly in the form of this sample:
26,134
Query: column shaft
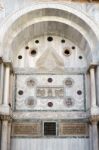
93,87
95,135
91,137
6,85
1,82
4,138
9,136
97,84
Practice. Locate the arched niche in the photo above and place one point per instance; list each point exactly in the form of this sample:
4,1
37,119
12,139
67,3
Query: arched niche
43,19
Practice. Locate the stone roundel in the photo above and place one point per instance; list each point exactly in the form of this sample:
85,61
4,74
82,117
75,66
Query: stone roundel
69,102
69,82
30,101
30,82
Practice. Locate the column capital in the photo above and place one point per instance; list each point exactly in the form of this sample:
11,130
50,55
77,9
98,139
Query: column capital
92,66
9,64
94,119
6,117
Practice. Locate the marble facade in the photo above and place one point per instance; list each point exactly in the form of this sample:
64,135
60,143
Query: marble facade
49,75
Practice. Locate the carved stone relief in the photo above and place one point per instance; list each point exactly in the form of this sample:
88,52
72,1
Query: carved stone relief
30,102
50,92
69,102
31,82
64,92
73,129
26,129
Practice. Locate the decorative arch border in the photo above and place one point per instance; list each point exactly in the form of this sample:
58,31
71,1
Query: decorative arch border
16,22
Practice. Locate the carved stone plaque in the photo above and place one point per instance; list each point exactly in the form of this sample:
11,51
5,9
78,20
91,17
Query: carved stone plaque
50,92
26,129
73,129
42,89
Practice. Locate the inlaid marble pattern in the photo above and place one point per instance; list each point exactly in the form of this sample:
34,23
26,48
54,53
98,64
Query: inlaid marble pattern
44,95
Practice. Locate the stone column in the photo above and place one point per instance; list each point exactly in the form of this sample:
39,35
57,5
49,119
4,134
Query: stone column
94,136
9,136
4,138
0,131
1,82
93,87
97,84
6,85
91,137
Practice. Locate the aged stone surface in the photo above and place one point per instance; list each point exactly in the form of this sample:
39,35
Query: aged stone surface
26,129
56,92
53,49
73,129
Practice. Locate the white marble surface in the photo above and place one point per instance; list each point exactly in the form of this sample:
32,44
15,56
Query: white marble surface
50,144
90,9
50,55
59,103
